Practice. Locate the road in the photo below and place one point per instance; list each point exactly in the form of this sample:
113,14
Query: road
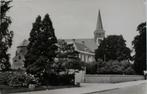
138,89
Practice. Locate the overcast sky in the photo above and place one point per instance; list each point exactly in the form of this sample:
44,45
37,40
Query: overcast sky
77,18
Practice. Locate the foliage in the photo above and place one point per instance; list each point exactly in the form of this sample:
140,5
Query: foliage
113,48
4,77
68,57
111,67
75,64
42,48
5,35
116,67
139,44
59,79
66,51
19,79
129,70
91,68
66,60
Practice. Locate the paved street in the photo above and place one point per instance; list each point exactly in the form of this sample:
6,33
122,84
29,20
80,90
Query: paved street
137,89
133,87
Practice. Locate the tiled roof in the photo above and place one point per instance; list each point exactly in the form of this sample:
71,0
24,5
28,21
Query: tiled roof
89,43
82,47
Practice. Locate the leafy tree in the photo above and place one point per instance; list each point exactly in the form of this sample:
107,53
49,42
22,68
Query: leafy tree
42,48
139,44
68,56
66,59
67,51
5,35
113,48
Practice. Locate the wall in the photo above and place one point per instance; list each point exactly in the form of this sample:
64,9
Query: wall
79,76
111,78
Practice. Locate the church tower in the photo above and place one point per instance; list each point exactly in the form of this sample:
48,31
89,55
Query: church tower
99,33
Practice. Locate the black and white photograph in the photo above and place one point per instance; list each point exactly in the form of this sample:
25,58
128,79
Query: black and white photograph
73,47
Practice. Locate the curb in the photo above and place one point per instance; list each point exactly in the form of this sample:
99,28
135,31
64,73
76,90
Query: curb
101,91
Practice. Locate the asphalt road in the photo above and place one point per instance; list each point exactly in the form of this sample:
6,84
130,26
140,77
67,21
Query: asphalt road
138,89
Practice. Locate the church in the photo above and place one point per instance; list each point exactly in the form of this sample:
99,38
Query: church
86,47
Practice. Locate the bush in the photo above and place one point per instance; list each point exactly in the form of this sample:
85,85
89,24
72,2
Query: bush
115,67
91,68
75,64
59,79
20,79
4,78
60,74
110,67
129,70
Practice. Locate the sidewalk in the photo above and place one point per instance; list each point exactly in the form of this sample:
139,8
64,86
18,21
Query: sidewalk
88,88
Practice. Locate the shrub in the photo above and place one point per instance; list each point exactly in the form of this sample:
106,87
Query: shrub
115,67
20,79
4,78
59,79
129,70
110,67
60,72
91,68
75,64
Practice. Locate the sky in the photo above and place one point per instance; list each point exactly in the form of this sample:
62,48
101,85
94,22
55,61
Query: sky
77,18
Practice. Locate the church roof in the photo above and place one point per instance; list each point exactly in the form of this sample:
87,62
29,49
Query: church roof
82,47
86,44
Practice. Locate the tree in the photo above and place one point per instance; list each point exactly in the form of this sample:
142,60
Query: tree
66,62
5,35
139,45
68,56
113,48
41,48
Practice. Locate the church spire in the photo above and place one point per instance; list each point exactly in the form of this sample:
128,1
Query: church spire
99,25
99,33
